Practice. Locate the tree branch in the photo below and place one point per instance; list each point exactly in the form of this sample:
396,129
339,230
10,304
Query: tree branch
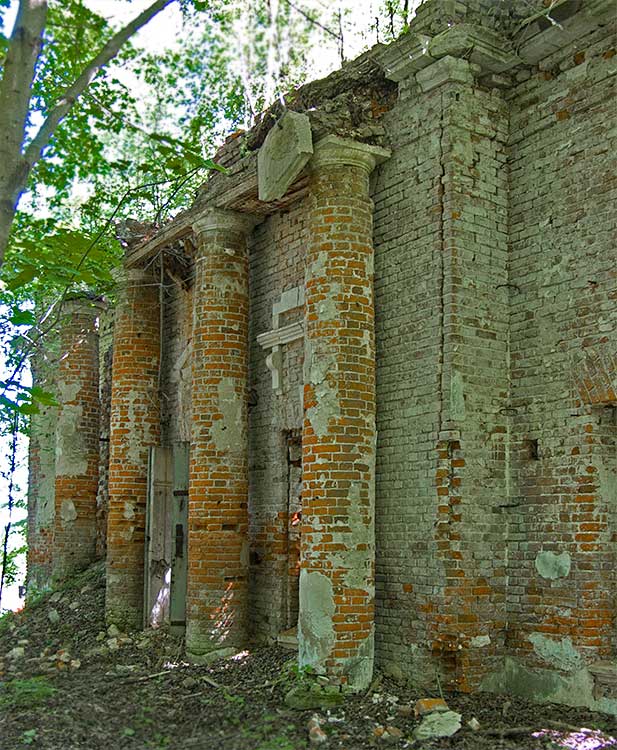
18,74
81,83
314,21
15,91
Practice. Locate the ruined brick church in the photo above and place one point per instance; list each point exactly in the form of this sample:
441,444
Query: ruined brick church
361,398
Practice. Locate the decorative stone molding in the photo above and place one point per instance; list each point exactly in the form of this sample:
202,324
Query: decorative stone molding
277,337
84,305
283,155
540,37
404,58
489,53
468,42
222,220
478,45
333,150
446,70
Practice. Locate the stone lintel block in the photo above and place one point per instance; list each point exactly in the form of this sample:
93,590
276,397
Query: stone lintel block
447,70
334,151
283,155
404,57
476,44
542,37
222,220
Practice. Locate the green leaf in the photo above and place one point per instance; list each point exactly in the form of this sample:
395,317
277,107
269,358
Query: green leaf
25,276
22,317
42,396
28,409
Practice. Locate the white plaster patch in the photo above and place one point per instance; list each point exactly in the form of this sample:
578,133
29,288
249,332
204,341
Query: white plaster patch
560,654
129,511
227,433
230,285
552,566
318,266
457,396
315,626
71,457
68,511
68,392
326,408
480,641
141,434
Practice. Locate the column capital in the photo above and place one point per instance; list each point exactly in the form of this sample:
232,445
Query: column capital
224,220
333,151
84,304
132,276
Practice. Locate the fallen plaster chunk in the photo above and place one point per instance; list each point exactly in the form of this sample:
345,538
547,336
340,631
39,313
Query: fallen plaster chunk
438,725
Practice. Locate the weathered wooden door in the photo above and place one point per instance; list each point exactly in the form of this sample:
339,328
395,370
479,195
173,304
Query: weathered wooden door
157,572
179,519
166,537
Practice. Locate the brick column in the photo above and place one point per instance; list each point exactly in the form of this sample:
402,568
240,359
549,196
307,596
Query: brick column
218,474
42,471
77,438
134,427
336,622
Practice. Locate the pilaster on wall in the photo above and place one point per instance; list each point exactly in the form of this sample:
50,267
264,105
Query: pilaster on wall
337,575
134,427
464,619
218,554
77,438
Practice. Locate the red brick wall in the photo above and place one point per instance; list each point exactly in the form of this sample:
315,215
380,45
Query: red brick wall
563,334
134,427
77,439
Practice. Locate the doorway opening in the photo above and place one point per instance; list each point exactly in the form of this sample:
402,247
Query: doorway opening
166,563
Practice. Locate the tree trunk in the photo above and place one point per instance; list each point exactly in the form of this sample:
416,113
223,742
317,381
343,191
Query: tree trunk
15,90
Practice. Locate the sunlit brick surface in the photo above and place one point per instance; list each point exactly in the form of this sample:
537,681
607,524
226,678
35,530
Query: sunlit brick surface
134,427
218,474
336,623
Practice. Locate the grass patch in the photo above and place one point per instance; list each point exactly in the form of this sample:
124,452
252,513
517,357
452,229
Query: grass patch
25,693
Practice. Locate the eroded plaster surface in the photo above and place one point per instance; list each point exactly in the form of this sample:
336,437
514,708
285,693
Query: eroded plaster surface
228,432
551,565
315,626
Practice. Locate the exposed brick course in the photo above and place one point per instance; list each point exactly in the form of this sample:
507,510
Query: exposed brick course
272,418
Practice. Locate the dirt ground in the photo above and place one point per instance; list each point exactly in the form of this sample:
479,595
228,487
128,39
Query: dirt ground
67,683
